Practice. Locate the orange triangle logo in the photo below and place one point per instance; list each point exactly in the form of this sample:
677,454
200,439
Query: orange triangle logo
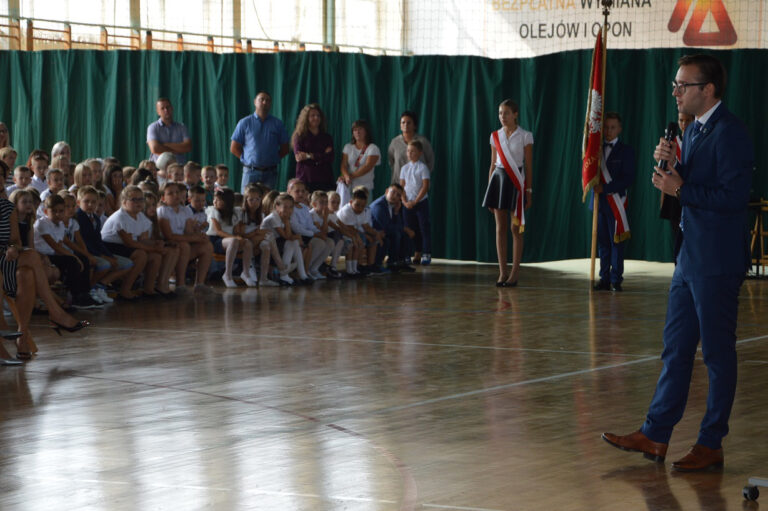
693,36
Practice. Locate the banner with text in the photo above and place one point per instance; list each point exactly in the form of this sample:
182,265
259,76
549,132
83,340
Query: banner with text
528,28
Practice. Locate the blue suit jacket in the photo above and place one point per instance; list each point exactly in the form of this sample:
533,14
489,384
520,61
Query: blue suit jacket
380,216
717,172
621,165
92,234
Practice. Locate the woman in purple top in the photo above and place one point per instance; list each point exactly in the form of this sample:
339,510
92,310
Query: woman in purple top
313,148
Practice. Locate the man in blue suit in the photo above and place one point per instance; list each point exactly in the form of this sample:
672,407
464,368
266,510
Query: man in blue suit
712,181
619,160
387,216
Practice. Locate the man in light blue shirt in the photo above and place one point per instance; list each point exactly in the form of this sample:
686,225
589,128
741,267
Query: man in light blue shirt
165,135
260,141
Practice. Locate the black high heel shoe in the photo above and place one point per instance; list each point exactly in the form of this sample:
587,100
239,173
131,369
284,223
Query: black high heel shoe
57,327
22,355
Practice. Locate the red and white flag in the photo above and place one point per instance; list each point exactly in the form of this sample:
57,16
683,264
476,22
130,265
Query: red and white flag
593,125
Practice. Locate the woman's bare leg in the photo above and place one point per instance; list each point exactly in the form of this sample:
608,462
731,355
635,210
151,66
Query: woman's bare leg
31,260
25,301
502,224
517,253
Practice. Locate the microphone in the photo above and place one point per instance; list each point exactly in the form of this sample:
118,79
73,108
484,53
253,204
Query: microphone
669,135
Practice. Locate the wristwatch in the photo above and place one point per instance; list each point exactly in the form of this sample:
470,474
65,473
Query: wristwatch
677,192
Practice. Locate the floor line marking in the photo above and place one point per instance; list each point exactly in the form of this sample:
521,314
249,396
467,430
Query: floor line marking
371,341
506,386
251,491
543,379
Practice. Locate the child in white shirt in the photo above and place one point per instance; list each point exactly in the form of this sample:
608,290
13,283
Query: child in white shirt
414,177
279,223
128,232
225,232
51,240
328,222
177,224
316,242
357,215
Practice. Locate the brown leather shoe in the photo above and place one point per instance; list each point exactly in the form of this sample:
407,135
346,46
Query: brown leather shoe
699,458
638,442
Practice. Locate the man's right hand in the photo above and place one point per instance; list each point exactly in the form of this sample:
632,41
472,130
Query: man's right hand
665,151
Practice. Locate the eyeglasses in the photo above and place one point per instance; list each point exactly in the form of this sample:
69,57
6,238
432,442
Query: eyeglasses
681,87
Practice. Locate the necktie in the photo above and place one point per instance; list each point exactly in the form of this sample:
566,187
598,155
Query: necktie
696,130
607,148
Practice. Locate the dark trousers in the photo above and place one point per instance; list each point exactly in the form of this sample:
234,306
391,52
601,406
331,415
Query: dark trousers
699,308
417,219
397,245
611,254
76,280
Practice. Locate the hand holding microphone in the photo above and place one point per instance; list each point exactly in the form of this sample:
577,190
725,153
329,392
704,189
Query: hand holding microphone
665,178
665,151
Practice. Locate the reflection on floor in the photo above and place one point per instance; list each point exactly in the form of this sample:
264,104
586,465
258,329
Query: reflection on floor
434,390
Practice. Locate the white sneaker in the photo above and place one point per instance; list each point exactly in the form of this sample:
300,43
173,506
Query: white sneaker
104,296
317,275
268,283
248,280
285,278
228,281
94,294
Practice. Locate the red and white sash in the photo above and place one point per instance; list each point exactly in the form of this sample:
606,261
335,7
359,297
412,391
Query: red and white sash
618,207
515,174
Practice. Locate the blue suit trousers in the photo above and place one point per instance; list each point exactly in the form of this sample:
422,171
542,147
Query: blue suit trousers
699,308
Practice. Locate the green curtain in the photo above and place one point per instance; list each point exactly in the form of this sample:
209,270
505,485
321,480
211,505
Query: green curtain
101,103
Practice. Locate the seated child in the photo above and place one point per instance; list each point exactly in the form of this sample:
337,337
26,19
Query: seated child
38,162
175,173
77,245
316,243
51,240
83,176
261,238
278,222
22,177
113,185
25,200
108,267
191,174
225,233
357,215
178,225
222,176
328,223
209,183
55,180
197,207
127,232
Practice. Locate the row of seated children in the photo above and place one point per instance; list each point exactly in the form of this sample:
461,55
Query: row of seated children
139,238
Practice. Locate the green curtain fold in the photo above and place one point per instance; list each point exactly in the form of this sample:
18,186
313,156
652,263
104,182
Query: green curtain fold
101,103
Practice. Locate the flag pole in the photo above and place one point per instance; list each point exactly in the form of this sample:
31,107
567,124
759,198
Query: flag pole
596,204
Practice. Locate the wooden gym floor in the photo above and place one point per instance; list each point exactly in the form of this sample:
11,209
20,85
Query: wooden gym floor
434,391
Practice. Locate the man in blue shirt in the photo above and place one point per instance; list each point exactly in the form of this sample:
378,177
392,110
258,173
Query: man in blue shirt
165,135
260,141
